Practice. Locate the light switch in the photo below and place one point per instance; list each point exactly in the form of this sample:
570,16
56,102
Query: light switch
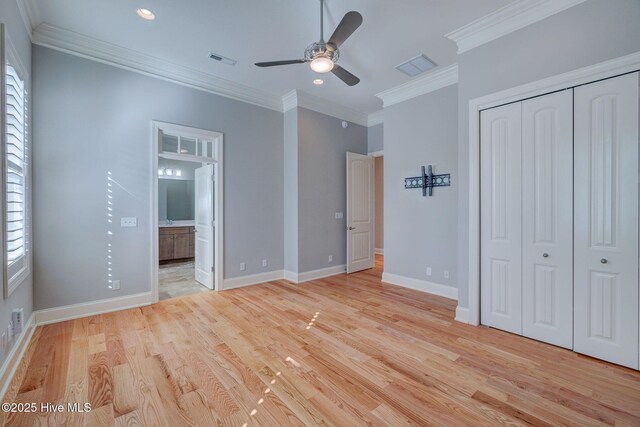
339,215
131,221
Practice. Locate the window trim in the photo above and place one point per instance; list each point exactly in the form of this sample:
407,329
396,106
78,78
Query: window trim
9,54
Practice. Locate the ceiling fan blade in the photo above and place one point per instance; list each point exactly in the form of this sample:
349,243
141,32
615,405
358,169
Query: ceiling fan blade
275,63
345,76
350,23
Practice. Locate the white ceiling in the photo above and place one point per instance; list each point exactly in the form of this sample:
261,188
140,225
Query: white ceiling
251,31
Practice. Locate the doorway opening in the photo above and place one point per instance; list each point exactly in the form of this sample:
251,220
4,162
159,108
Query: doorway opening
187,256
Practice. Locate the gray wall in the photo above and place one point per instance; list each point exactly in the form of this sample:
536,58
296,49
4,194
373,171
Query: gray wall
23,295
291,190
379,201
375,138
322,154
94,119
591,32
421,231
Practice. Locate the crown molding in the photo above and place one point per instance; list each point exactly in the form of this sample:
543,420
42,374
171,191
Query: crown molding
298,98
87,47
505,20
80,45
30,15
376,118
435,80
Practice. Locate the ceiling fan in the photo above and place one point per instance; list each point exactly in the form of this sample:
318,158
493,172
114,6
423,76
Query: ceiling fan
323,56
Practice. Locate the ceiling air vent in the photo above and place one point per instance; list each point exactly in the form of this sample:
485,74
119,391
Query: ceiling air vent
415,66
222,59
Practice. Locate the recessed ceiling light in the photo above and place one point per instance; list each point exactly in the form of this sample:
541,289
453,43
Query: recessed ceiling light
318,82
146,14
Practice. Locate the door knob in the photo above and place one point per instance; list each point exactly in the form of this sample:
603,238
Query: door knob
545,255
603,260
351,228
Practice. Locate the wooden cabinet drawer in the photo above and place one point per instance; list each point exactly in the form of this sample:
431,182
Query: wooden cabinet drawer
175,230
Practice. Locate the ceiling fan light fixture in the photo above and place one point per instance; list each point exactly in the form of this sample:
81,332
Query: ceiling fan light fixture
322,64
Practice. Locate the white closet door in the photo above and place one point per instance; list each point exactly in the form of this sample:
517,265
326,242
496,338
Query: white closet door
501,243
547,218
606,220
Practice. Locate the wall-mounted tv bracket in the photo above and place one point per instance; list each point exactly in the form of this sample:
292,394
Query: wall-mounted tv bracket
427,181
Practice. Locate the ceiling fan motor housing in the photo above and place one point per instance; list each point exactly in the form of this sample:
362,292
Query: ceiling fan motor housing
322,49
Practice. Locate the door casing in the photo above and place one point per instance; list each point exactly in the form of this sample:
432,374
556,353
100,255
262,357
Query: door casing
218,161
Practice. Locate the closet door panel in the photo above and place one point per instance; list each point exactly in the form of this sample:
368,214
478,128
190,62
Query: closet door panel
606,220
547,218
500,264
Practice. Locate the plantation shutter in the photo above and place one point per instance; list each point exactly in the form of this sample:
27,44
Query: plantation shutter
15,149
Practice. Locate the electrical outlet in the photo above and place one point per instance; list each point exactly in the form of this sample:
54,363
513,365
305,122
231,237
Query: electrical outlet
330,258
428,271
17,319
339,215
115,285
10,331
446,274
264,262
243,266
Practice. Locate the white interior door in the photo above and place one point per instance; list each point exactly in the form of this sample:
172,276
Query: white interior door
500,218
547,218
204,225
360,214
606,220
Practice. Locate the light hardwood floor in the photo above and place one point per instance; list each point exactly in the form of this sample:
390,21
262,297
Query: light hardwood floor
345,350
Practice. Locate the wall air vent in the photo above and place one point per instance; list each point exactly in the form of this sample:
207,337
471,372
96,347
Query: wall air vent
222,59
415,66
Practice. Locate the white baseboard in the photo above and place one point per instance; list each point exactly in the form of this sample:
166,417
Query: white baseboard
462,314
314,274
421,285
379,251
74,311
291,276
253,279
321,273
11,363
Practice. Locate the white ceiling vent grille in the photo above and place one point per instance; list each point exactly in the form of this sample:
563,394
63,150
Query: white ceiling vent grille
222,59
415,66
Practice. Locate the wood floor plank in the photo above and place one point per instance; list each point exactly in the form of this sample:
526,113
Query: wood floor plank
344,350
100,381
